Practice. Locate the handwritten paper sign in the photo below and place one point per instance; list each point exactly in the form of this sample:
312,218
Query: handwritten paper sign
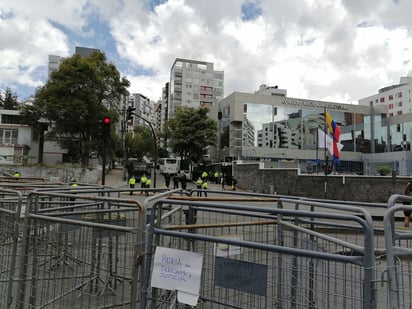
178,270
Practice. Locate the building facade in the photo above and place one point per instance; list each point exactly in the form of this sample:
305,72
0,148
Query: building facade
284,128
194,83
18,143
144,107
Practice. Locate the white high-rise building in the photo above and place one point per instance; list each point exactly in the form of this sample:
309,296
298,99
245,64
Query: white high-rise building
144,107
397,98
194,83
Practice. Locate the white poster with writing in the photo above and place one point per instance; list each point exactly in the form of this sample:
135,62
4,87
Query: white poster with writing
178,270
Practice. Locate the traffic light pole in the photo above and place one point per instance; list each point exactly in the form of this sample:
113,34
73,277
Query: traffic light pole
106,132
155,144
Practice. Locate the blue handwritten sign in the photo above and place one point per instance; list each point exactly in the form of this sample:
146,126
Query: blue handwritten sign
177,270
240,275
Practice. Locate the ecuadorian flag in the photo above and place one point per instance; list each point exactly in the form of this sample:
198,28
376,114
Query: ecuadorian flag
335,131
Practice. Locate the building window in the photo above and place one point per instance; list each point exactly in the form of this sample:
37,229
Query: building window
399,112
10,119
390,97
391,106
390,114
382,100
400,95
400,104
9,136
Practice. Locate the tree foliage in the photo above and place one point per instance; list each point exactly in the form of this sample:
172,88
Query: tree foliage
140,143
8,99
75,100
190,132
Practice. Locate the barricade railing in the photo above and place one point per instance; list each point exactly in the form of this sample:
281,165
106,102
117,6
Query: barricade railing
399,254
78,251
94,247
10,214
265,257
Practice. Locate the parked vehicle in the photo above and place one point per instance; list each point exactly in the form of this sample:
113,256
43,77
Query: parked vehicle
138,168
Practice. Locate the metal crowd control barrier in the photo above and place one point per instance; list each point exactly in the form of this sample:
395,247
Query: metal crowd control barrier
10,212
399,255
90,248
266,257
73,251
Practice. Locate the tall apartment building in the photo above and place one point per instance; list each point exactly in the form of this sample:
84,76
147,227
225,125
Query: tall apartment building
165,105
194,83
397,98
144,108
55,61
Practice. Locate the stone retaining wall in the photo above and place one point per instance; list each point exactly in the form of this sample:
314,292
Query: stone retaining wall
375,189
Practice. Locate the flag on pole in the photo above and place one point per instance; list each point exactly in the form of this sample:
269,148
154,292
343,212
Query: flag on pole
334,129
322,138
330,144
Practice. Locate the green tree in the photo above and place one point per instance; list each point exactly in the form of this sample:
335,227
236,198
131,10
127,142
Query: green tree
140,143
190,132
8,99
75,100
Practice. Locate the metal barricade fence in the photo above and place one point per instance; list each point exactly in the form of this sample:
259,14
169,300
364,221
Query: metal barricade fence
85,249
10,212
265,257
77,251
399,255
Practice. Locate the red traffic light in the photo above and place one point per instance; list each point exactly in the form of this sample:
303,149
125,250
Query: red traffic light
106,120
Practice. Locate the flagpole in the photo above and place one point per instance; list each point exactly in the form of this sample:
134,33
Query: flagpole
317,151
326,155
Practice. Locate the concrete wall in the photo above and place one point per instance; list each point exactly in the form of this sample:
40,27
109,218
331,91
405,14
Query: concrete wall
56,174
339,187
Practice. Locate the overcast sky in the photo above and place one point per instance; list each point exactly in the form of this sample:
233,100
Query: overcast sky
333,50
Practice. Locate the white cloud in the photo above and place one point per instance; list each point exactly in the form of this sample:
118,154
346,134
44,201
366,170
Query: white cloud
316,49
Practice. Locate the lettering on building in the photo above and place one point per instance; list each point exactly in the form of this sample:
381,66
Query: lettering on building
314,104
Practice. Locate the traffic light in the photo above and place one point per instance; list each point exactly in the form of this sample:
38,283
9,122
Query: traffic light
130,111
106,125
106,121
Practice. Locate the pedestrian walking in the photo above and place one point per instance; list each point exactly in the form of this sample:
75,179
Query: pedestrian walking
407,191
132,182
176,181
222,182
183,181
167,180
204,187
199,186
234,183
148,184
204,175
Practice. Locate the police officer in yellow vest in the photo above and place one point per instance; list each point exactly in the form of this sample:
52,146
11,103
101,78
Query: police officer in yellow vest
216,175
143,180
132,182
199,186
73,184
204,187
148,184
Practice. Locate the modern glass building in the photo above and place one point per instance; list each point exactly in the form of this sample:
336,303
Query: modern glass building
284,128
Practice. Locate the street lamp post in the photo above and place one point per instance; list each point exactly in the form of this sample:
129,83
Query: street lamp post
155,144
